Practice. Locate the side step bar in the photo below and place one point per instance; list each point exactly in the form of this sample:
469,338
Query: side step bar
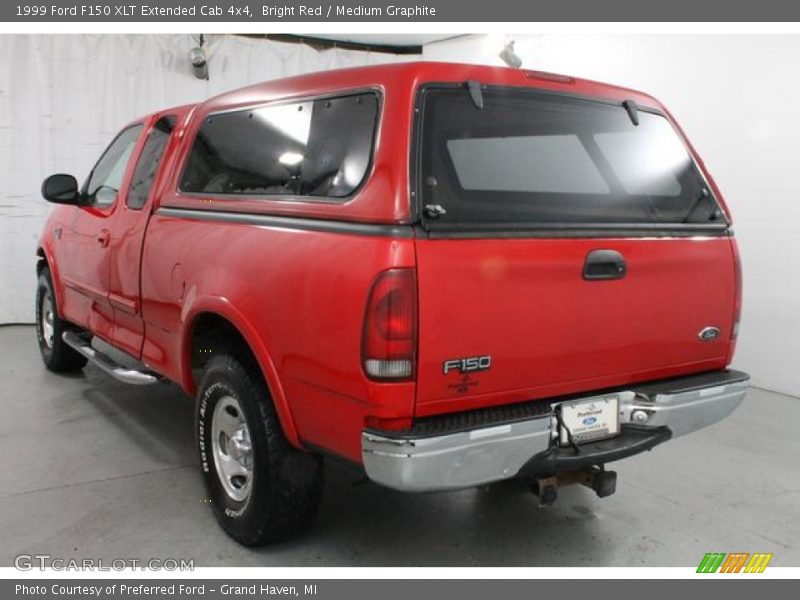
108,364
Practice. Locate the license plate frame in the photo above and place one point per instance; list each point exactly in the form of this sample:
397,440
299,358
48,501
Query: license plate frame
601,411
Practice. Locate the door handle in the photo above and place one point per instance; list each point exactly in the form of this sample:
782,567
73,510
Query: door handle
604,264
104,237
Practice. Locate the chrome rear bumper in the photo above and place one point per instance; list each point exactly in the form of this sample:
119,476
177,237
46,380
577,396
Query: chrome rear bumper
416,461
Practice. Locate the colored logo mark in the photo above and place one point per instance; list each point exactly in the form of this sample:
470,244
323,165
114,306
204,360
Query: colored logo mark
735,562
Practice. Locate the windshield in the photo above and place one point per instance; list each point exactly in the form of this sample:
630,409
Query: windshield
534,157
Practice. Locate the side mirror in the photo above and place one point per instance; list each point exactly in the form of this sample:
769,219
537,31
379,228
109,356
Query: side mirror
104,196
61,189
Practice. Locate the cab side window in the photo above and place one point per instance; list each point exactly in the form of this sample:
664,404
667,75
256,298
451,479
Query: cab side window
106,177
149,160
314,148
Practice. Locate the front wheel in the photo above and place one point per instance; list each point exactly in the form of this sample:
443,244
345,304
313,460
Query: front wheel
56,354
261,489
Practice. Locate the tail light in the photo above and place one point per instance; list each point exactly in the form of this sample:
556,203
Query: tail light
389,340
737,298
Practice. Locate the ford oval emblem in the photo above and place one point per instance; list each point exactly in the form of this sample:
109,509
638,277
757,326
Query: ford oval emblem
708,334
590,421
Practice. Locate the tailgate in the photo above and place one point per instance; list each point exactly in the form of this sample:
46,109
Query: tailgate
548,331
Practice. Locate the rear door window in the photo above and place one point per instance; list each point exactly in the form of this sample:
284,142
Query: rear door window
149,160
529,157
316,148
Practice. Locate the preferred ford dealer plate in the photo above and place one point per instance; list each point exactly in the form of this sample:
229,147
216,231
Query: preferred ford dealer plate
589,420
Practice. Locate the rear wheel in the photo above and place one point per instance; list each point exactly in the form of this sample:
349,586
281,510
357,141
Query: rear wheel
56,354
261,489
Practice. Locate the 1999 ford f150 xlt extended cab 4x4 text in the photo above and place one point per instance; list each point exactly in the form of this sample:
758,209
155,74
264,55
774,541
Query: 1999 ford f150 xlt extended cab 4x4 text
447,275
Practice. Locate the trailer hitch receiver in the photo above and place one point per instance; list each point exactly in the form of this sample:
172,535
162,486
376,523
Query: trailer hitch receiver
604,483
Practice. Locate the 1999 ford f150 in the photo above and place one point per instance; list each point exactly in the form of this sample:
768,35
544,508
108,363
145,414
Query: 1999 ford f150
448,275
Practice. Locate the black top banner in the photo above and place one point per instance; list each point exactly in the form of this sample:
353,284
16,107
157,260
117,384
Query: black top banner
340,11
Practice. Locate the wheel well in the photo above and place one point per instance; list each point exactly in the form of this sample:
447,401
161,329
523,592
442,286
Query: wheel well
41,260
213,335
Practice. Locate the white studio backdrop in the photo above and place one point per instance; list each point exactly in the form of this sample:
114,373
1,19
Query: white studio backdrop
64,97
737,98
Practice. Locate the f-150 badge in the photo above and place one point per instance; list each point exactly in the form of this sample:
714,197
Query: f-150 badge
467,365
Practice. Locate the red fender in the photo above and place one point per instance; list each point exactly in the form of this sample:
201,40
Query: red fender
223,308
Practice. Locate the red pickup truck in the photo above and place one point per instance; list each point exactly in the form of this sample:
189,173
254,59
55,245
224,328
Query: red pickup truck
447,275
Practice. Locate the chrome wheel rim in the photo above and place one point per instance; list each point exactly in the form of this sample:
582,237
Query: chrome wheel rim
232,448
46,318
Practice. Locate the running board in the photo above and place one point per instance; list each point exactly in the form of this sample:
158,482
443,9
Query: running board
106,363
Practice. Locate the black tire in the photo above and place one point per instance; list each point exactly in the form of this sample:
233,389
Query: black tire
57,356
285,484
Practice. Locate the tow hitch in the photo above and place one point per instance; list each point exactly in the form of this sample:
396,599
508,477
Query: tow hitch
604,483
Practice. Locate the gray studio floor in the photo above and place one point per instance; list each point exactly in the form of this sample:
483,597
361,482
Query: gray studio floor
93,468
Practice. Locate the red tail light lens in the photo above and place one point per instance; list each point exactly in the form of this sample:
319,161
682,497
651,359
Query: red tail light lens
389,341
737,301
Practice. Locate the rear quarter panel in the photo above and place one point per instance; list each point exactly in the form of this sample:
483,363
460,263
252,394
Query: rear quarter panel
298,295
